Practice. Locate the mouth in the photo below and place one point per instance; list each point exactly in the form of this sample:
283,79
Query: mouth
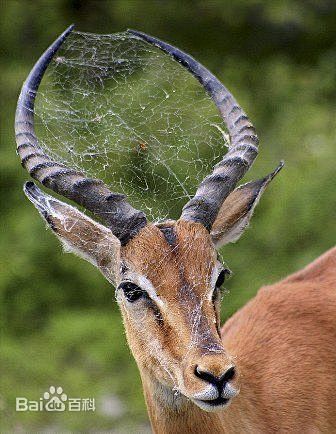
212,404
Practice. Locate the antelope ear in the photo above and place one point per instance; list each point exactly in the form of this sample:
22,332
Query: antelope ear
237,209
78,233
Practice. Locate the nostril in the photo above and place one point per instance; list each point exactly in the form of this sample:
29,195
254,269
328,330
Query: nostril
210,378
229,374
205,375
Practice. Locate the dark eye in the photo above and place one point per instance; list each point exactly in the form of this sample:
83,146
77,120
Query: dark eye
132,292
221,277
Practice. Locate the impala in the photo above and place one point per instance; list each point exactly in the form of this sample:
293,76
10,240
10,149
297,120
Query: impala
278,352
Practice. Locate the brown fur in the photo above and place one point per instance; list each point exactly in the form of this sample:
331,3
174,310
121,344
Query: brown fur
283,342
181,276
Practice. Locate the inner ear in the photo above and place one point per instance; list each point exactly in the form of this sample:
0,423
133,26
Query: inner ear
237,210
78,233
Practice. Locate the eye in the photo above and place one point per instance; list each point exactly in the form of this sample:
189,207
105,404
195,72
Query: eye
132,292
221,277
220,280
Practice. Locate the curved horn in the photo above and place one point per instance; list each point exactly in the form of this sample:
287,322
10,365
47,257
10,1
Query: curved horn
213,190
123,220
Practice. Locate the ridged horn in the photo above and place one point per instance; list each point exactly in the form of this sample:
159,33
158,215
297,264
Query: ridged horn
113,208
243,149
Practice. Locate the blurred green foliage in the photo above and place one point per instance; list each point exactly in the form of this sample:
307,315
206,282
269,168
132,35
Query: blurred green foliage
59,321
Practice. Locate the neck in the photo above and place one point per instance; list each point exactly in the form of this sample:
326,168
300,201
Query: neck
173,413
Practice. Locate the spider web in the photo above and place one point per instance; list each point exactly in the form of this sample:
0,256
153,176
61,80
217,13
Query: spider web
121,110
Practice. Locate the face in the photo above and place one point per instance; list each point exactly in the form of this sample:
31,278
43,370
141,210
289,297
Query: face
169,295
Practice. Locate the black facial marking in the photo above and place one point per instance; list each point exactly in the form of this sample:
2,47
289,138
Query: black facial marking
123,268
169,234
156,311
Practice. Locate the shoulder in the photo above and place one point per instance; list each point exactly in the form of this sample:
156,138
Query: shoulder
300,300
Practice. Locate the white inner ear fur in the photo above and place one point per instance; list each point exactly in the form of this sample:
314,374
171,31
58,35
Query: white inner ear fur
70,248
214,276
110,247
68,218
234,233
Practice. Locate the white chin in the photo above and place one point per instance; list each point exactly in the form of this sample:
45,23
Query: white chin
212,405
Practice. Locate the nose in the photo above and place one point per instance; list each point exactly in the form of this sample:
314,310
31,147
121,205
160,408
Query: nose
217,381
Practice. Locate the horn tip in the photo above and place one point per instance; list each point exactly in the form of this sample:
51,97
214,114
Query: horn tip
151,40
69,29
133,31
280,166
66,32
276,170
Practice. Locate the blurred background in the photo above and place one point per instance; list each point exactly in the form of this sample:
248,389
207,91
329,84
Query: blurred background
60,324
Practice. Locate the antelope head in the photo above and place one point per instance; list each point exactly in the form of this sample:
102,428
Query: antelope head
167,275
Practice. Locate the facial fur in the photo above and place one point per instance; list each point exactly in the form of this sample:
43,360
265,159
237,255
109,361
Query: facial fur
174,327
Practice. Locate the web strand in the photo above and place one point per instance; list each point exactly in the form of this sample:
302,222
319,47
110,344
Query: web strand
120,110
